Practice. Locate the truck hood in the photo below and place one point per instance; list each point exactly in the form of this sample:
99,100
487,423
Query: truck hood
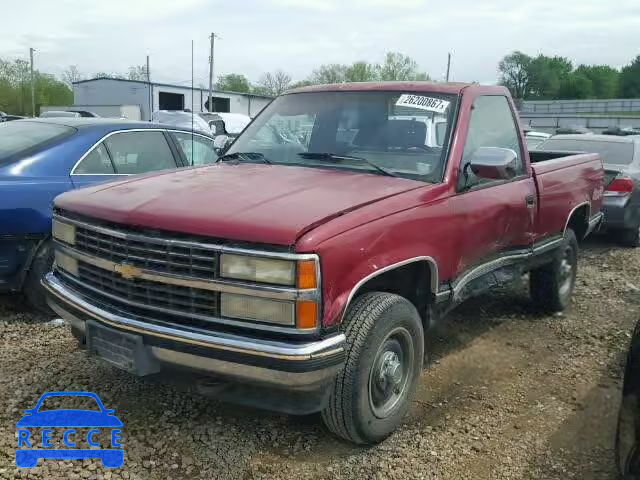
245,202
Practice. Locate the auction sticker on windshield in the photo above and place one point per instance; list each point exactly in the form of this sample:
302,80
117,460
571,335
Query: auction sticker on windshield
423,103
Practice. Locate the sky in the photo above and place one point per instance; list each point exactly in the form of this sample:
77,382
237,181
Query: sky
299,35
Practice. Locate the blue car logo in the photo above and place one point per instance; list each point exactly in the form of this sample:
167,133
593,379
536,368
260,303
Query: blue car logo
27,457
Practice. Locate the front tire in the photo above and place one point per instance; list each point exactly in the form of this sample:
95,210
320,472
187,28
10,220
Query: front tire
385,348
33,290
551,285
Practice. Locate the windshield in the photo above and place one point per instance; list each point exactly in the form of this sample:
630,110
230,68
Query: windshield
20,137
404,133
57,113
181,119
614,153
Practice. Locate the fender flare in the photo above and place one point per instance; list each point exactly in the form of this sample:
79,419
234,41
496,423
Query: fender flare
433,277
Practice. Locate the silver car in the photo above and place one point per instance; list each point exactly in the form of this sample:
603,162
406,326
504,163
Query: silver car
621,157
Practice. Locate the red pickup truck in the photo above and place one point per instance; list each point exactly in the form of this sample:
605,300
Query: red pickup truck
306,269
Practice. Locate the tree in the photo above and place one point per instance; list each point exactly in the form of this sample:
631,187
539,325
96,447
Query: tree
301,83
575,86
604,79
233,82
630,80
397,66
137,72
15,88
108,75
71,75
329,73
514,73
273,83
546,74
361,72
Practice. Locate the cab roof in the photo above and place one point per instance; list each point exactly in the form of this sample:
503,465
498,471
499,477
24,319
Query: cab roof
452,88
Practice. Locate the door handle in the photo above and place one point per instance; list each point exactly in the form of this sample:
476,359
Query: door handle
530,201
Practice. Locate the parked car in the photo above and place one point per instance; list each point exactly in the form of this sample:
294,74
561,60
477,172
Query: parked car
4,117
621,131
68,114
573,130
315,283
534,139
621,157
41,158
230,124
627,446
179,118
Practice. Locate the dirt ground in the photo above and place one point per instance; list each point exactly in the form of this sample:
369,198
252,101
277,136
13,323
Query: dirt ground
510,394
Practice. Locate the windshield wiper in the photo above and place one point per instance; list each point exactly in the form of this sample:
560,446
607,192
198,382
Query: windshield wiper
328,156
243,156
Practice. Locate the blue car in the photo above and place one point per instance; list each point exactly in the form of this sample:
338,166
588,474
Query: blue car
27,457
42,158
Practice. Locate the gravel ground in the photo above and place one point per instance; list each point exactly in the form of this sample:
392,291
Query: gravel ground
509,395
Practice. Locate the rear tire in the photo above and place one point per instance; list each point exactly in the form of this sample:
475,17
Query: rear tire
384,352
551,285
630,237
33,290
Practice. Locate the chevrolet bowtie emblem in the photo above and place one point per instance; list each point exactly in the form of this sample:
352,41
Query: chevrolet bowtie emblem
127,271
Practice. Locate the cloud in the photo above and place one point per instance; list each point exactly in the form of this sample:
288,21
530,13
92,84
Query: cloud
299,35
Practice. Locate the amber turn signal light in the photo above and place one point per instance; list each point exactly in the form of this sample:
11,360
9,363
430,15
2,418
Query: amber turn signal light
307,274
306,314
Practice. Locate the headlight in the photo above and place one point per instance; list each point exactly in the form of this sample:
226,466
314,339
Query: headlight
64,232
258,309
258,269
66,263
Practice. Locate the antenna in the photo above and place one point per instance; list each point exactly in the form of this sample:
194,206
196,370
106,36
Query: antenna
192,112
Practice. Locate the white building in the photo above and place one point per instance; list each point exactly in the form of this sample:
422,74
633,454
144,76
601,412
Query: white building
161,96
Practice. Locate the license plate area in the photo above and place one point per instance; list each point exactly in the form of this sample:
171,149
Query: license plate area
123,350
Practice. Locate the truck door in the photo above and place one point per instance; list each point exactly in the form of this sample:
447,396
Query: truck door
494,217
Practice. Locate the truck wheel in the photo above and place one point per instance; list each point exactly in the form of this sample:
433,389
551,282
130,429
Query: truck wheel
32,288
551,285
385,345
626,447
630,237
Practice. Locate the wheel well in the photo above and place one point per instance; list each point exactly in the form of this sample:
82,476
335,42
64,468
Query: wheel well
411,281
579,221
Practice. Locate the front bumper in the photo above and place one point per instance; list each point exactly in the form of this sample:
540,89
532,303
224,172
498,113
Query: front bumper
282,365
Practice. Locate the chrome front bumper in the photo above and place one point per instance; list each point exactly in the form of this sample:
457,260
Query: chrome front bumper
279,364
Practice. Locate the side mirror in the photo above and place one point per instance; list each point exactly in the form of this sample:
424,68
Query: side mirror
214,129
221,143
493,163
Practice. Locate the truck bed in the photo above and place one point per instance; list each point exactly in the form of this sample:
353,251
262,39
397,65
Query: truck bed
564,181
537,156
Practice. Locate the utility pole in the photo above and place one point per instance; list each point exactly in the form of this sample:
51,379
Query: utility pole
149,88
33,94
448,65
212,37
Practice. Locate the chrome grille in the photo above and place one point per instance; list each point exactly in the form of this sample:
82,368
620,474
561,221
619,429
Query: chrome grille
161,257
123,293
